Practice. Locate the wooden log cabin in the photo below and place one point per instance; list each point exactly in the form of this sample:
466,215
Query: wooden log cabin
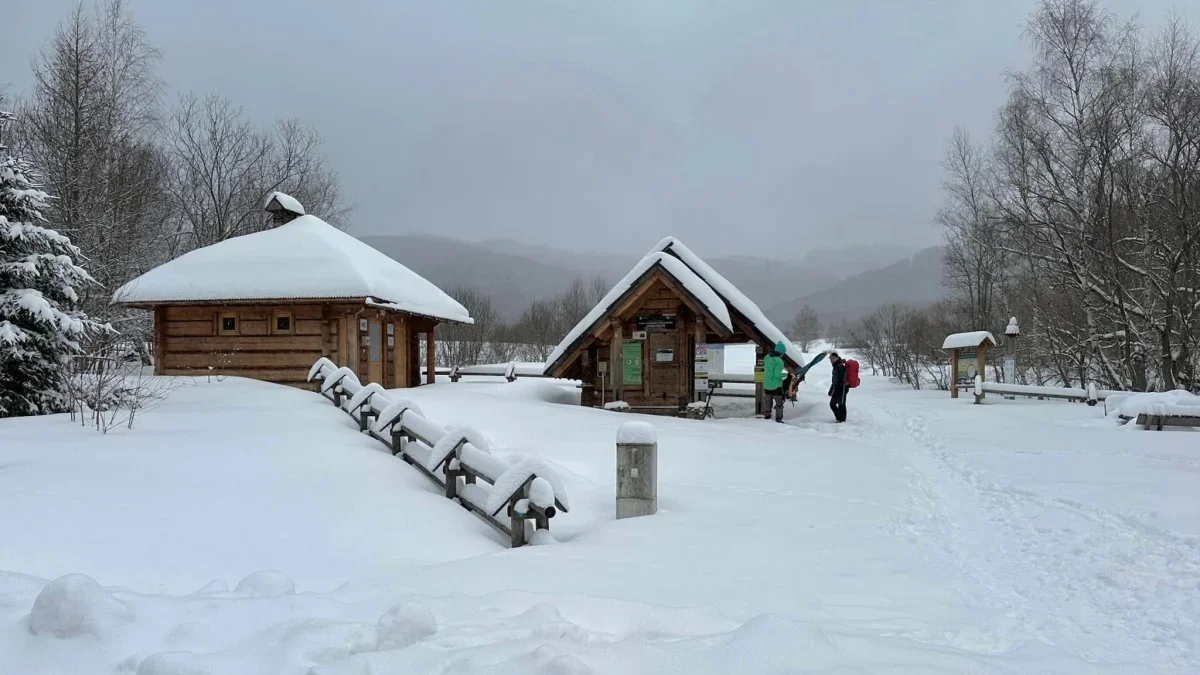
638,345
269,304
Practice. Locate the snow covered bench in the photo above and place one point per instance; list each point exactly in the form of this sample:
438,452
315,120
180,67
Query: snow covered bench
457,459
1153,411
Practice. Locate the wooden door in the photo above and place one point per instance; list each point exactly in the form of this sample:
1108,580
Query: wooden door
662,362
375,351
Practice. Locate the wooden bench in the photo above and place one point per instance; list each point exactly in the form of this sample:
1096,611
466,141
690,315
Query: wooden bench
1157,422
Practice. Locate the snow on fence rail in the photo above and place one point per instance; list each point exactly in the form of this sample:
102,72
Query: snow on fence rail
1091,395
509,371
457,459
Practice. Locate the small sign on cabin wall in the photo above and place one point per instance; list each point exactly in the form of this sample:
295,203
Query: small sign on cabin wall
391,341
650,322
639,335
362,325
664,355
391,329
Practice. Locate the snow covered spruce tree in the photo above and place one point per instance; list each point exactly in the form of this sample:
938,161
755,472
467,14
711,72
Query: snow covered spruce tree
40,325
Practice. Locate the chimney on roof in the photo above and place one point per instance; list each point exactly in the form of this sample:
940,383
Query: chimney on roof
283,208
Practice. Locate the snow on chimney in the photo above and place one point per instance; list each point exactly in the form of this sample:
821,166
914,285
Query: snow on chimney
283,208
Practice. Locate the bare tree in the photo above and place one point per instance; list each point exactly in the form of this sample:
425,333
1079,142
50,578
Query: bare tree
806,327
974,261
88,125
469,344
221,169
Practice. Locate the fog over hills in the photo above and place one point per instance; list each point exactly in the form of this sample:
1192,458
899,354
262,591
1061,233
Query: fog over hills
838,282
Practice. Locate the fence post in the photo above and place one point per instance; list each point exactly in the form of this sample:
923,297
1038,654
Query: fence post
516,522
637,470
398,440
978,389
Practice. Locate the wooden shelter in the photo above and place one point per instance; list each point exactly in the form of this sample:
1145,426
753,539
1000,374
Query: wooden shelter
268,305
968,358
638,345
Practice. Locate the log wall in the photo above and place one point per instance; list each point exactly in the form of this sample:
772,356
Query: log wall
192,340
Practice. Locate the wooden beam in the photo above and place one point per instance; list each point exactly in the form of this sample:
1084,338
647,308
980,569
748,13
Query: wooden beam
430,357
614,359
953,373
160,327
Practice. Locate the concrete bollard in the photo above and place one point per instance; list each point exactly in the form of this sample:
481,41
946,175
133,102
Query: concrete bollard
637,470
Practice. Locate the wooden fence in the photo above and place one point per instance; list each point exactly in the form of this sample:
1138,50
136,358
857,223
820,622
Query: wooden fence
456,459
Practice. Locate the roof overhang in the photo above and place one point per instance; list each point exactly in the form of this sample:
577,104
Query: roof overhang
620,305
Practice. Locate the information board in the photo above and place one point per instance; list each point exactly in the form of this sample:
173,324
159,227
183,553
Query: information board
968,367
631,363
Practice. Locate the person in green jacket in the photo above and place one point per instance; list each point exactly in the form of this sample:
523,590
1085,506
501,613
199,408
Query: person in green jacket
773,371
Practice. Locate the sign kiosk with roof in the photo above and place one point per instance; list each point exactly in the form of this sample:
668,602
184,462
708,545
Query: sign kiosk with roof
640,344
968,358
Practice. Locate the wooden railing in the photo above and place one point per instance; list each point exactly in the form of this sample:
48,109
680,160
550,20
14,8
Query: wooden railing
456,459
509,371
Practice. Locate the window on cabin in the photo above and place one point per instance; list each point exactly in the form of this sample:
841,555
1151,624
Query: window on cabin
228,324
283,322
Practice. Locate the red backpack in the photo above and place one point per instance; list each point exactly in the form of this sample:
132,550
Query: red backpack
852,373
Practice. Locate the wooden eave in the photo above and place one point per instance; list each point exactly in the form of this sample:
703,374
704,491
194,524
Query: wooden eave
242,302
623,304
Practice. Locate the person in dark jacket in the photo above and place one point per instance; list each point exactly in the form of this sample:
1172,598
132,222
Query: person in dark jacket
839,388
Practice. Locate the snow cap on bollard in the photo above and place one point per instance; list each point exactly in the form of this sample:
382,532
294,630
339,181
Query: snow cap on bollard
1012,330
636,433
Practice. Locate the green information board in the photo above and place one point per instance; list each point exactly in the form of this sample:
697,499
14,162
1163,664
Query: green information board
631,363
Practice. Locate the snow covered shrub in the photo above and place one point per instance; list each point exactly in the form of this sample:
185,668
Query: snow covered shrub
264,583
75,605
40,323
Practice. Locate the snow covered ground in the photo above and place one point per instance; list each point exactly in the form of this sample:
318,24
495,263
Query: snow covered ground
926,535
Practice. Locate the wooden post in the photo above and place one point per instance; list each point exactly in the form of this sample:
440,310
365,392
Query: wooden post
430,357
515,522
326,334
953,373
399,440
759,407
615,360
160,333
451,482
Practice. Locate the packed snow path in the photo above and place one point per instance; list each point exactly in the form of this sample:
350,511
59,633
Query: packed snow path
923,536
1087,536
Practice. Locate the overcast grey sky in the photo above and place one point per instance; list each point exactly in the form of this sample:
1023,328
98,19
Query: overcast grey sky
741,126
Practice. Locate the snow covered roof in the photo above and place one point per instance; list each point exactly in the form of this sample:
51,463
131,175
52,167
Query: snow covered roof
968,340
306,258
716,293
286,202
730,294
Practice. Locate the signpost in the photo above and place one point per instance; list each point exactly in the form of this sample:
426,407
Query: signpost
968,358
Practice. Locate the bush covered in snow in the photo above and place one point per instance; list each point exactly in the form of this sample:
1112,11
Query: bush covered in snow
75,605
264,583
404,625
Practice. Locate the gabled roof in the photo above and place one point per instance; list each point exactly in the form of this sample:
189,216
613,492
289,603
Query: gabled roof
285,202
737,301
306,258
719,298
969,340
